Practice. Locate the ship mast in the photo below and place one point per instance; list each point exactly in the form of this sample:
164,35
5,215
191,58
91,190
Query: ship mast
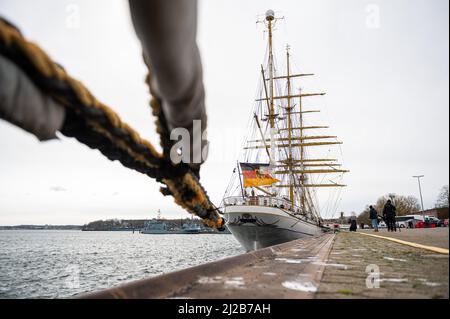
289,110
302,153
294,164
270,18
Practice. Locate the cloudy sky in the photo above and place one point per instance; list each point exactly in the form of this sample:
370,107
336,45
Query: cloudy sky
383,64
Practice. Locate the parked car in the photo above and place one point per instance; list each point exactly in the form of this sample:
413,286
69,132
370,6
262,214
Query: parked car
418,221
419,224
431,221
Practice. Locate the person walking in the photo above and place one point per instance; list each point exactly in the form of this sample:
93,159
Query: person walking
353,224
389,212
373,214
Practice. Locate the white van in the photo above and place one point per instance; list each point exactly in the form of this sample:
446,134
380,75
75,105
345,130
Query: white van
403,221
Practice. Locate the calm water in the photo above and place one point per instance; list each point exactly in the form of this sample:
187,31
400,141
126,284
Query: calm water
58,264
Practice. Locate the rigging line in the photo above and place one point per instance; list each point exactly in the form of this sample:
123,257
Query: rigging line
327,207
333,199
250,124
312,206
339,196
313,196
332,207
338,200
230,183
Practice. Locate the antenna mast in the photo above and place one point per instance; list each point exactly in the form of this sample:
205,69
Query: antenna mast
270,18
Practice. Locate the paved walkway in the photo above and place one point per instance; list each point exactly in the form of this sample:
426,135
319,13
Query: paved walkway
404,271
437,237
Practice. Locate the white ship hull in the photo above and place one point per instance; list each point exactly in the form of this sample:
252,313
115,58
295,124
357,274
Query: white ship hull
257,227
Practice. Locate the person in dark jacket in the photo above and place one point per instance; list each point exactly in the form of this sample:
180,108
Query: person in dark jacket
389,215
353,224
373,214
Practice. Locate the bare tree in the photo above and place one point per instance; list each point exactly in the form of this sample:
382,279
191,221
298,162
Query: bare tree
405,205
443,198
364,216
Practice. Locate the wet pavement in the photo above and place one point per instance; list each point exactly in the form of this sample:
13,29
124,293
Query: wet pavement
378,268
437,237
344,265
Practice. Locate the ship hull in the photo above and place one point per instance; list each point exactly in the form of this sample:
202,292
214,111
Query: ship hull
257,227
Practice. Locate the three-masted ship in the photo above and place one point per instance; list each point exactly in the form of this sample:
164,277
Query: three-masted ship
272,197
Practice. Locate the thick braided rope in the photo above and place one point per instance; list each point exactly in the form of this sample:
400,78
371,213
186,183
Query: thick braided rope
99,127
162,129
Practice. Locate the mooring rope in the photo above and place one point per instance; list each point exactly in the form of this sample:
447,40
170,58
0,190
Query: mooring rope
99,127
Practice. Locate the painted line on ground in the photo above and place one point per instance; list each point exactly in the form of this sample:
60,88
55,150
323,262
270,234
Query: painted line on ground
408,243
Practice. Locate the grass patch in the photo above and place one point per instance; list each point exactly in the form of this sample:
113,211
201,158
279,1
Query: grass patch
346,292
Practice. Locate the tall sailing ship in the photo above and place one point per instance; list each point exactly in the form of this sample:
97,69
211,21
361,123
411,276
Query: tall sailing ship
272,197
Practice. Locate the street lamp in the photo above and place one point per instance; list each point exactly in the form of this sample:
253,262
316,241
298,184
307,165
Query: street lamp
420,190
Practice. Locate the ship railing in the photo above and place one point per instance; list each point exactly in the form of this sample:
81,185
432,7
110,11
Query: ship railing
265,201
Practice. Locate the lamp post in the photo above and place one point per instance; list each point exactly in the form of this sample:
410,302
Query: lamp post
420,192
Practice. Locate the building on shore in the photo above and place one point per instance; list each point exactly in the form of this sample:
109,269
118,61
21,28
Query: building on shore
438,212
342,219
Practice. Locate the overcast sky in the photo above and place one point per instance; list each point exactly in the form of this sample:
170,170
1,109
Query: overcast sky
383,64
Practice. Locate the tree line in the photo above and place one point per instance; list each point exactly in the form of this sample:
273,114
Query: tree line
129,224
405,205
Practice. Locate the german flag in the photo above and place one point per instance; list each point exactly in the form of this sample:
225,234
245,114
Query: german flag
257,175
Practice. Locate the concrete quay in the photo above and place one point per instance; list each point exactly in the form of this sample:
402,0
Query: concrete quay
343,265
401,271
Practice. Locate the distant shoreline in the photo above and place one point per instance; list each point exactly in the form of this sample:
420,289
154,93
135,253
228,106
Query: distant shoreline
42,227
115,225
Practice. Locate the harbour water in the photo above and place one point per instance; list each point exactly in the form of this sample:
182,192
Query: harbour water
61,264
